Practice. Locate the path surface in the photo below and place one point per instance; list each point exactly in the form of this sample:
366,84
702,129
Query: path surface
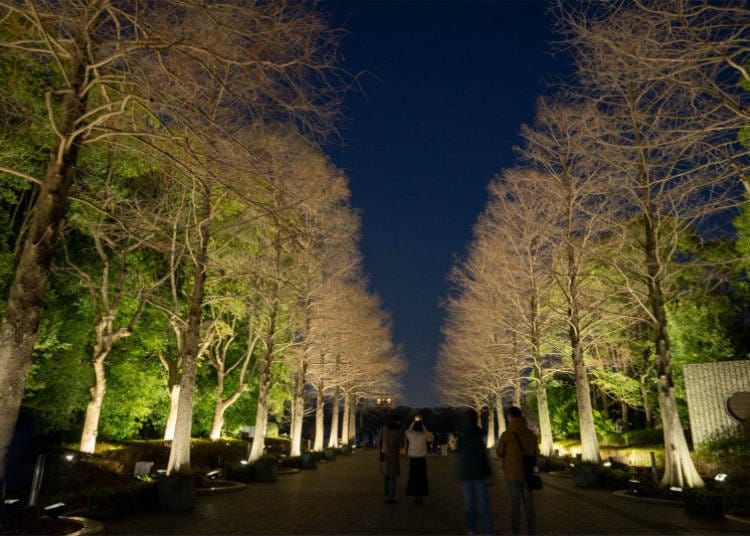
345,497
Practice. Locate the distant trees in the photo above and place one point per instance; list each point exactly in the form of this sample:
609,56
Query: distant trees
621,171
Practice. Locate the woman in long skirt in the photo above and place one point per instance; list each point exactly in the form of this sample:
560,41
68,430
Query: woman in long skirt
417,438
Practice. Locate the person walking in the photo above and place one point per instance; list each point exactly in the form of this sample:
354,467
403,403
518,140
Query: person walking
474,468
391,443
514,444
417,439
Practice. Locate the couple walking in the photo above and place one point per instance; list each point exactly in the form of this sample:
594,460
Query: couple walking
515,443
394,443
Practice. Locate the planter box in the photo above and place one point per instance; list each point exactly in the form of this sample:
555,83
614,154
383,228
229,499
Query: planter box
703,503
176,492
239,472
266,470
329,454
308,460
588,475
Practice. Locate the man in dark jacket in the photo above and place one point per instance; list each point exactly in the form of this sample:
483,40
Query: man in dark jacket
474,469
515,443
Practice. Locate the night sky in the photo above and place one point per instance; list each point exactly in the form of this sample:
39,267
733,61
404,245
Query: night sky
448,85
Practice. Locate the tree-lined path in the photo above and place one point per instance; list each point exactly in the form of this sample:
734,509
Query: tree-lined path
345,497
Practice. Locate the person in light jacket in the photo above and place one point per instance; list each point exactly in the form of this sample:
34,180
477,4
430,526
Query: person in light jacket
417,439
515,443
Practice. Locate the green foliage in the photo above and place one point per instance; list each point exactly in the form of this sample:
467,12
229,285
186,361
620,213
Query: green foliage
563,407
60,375
726,450
136,393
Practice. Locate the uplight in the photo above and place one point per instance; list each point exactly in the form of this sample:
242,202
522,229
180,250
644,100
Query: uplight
721,477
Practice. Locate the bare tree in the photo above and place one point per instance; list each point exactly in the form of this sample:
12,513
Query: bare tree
515,229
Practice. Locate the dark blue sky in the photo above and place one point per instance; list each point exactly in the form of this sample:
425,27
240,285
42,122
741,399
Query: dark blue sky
448,86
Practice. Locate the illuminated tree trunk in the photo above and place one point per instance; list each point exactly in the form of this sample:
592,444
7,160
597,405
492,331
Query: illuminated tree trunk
174,399
217,424
20,323
298,410
490,426
106,336
589,442
333,435
545,426
179,453
679,469
345,435
94,407
352,428
319,419
264,388
500,416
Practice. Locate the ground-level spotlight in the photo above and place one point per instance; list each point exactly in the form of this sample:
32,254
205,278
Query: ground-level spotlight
55,510
721,477
213,475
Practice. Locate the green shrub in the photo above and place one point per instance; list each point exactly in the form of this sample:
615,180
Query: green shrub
649,436
726,453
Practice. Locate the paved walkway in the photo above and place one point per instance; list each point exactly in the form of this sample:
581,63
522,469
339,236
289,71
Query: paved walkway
345,497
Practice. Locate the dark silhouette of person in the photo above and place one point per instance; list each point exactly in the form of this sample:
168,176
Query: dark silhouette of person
474,468
391,443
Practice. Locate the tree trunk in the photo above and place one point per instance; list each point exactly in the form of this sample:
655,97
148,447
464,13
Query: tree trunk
501,427
319,422
179,453
352,428
94,408
545,425
264,388
333,436
490,426
261,422
174,399
20,323
298,413
219,406
679,469
589,442
345,435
